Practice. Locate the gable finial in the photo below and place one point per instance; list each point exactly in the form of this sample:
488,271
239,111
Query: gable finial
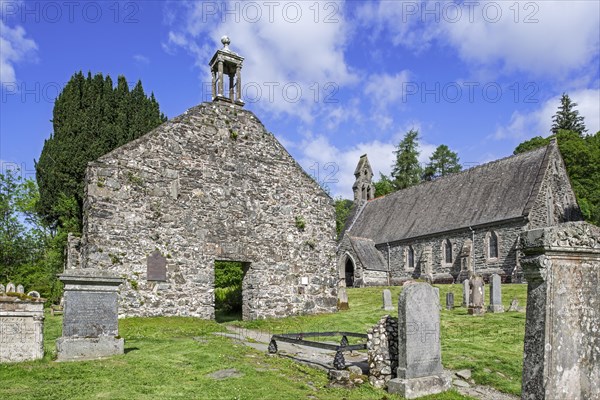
226,41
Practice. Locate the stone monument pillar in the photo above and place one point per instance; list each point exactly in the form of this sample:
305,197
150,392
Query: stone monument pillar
419,370
387,300
561,358
90,319
476,306
495,305
465,301
449,301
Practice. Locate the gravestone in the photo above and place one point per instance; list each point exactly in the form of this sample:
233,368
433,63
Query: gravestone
342,301
387,300
2,288
514,305
419,370
561,358
156,267
20,289
90,316
21,329
10,288
476,295
449,301
465,302
495,305
34,294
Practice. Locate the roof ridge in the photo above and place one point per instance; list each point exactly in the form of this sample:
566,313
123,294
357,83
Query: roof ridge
463,172
362,207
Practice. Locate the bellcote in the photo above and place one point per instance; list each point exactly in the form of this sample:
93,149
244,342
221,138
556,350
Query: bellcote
227,63
363,187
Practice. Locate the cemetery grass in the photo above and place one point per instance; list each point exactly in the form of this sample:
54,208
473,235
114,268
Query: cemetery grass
491,346
171,358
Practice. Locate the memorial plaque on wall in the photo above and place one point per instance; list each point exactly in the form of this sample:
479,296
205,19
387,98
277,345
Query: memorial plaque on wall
90,314
157,267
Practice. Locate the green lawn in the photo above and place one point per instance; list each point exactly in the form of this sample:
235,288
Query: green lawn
169,358
492,341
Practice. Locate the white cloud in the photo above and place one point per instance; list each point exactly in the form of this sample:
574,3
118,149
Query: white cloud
14,48
545,38
335,166
549,38
538,123
386,88
286,46
140,59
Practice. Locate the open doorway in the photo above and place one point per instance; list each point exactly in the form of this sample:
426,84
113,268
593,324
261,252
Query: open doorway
349,272
229,293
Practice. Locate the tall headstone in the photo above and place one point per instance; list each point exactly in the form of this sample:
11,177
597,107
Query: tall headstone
476,295
387,300
465,302
21,329
561,357
10,288
90,318
20,289
495,305
419,370
342,301
2,288
449,301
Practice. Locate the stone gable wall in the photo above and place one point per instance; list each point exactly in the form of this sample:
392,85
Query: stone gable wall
211,184
556,202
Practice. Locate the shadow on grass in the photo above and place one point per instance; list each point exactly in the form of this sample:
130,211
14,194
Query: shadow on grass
129,349
222,316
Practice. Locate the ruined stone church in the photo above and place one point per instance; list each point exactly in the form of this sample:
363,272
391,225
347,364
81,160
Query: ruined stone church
211,184
458,224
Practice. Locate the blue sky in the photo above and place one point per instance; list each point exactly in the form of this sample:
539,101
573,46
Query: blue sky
331,79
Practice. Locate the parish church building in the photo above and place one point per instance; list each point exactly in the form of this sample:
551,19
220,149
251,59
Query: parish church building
458,224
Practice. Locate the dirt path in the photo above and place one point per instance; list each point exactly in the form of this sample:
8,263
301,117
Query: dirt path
323,359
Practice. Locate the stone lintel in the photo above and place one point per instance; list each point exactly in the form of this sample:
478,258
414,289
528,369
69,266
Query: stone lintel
418,387
75,349
89,279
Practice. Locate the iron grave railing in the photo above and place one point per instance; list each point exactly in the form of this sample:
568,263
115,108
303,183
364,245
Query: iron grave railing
299,338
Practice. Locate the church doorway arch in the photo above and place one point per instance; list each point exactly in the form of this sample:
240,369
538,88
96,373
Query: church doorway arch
349,272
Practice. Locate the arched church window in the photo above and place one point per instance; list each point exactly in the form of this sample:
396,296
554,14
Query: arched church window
447,251
410,258
493,245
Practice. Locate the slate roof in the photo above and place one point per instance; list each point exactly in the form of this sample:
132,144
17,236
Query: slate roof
367,253
497,191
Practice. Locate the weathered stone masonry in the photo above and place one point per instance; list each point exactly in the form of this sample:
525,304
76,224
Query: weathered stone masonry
211,184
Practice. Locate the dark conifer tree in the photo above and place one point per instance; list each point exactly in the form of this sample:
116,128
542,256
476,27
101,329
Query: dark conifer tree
567,118
90,118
